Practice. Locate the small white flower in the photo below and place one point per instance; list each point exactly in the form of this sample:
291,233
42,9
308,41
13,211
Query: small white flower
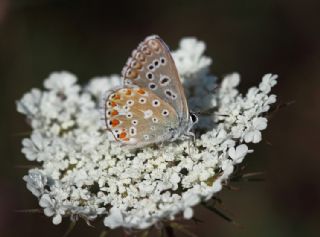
114,219
36,182
63,82
29,104
51,208
268,81
238,153
188,213
189,58
36,147
99,85
253,133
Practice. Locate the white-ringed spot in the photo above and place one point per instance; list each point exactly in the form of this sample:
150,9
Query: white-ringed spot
170,94
156,63
155,120
146,137
151,67
163,61
134,122
164,80
142,100
133,131
155,103
130,102
129,115
149,76
152,86
165,112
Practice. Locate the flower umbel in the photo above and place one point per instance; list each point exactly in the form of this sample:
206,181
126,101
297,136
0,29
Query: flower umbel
83,174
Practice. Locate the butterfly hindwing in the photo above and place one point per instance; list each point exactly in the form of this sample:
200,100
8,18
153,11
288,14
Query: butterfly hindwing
137,117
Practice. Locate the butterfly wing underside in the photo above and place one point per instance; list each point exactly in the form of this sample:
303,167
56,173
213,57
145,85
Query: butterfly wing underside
152,67
137,117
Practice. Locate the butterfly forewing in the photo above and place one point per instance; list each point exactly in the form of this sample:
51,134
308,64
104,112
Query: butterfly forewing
137,117
151,67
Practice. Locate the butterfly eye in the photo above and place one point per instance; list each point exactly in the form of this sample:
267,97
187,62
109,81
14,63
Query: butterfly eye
194,117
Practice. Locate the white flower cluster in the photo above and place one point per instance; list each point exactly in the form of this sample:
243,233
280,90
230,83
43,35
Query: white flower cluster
85,175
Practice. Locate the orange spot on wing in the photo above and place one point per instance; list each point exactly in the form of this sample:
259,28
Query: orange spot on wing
141,91
123,135
113,104
128,92
115,122
114,112
117,97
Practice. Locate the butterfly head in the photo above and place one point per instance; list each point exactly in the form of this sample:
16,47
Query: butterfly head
193,119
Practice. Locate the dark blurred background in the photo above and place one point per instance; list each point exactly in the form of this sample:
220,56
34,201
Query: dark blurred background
252,37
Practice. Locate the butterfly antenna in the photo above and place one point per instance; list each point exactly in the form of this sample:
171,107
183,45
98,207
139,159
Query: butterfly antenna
206,112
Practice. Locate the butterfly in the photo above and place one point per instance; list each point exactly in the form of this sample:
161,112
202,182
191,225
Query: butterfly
150,107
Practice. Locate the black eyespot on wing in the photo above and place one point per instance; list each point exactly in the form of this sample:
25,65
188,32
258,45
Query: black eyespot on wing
164,80
163,60
151,67
152,86
149,76
168,93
